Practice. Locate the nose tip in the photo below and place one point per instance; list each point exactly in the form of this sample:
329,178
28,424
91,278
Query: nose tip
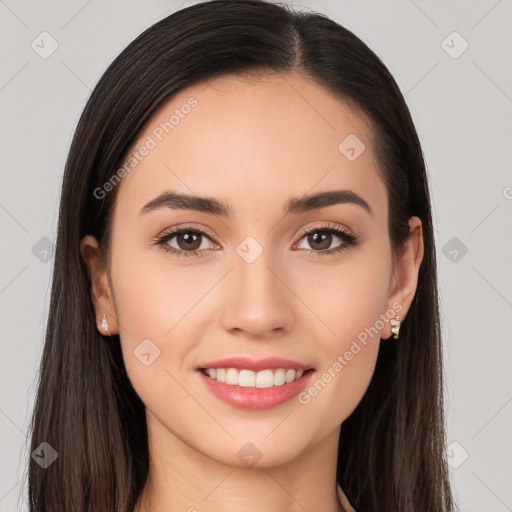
258,303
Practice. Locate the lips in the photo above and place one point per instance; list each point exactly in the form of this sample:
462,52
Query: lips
262,393
254,398
246,363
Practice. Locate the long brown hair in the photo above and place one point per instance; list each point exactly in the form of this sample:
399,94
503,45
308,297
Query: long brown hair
392,447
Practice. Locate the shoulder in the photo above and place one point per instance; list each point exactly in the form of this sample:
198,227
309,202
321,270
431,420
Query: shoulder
344,500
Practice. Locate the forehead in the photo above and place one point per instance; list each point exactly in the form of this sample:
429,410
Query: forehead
250,142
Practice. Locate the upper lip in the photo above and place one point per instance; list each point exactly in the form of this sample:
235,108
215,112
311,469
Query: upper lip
255,365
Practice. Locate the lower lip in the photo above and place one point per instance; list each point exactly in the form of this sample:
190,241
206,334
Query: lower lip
255,398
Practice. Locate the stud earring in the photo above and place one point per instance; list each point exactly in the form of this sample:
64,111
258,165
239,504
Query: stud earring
396,327
104,324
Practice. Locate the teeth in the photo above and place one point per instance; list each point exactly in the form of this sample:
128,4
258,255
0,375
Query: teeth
250,379
279,377
232,376
265,379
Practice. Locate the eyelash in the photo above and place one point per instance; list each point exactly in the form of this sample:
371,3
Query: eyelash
348,240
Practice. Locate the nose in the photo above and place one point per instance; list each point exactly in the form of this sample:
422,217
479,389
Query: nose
259,302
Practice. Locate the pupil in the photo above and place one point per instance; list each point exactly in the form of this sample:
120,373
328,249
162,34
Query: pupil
323,240
189,241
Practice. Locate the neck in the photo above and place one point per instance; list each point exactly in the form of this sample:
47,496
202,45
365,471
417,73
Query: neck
182,478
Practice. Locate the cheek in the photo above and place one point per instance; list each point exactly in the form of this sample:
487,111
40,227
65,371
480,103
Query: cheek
348,300
155,297
345,298
157,308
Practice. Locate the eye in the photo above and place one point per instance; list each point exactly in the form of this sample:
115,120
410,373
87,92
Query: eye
184,241
320,239
193,241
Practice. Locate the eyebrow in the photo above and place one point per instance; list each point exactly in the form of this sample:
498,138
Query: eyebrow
295,205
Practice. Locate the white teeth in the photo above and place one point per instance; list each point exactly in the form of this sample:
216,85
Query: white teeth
232,376
246,378
290,376
279,377
265,379
249,379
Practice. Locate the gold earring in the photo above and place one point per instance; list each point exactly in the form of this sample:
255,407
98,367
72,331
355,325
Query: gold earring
396,329
104,324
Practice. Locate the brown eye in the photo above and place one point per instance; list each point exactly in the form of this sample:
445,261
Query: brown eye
320,239
185,242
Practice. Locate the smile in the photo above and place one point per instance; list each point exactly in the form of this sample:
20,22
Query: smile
250,379
257,390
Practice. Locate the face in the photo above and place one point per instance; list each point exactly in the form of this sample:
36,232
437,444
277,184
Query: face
274,276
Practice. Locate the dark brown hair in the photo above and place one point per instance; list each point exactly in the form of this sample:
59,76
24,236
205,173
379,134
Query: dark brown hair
392,447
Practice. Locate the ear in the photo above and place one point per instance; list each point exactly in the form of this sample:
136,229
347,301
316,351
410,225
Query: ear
404,281
100,285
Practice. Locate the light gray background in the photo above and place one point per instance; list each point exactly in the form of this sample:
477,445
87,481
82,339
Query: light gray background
462,108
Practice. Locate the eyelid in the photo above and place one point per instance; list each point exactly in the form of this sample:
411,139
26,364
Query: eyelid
327,225
162,239
209,233
186,226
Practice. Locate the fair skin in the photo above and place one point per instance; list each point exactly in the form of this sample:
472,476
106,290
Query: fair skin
253,146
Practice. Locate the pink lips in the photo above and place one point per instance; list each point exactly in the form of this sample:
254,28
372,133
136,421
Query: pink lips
270,363
255,398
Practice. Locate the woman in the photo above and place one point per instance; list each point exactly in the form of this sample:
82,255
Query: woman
244,309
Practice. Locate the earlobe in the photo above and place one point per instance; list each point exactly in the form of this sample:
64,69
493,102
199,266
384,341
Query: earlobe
406,273
100,288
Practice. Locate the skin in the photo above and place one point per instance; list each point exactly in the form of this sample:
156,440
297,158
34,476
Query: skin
254,145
